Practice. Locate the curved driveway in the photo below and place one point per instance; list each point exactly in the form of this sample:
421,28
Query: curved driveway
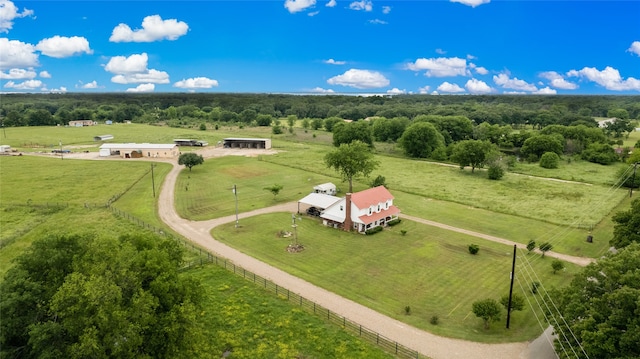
426,343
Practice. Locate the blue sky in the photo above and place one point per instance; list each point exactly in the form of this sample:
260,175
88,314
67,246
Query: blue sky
321,46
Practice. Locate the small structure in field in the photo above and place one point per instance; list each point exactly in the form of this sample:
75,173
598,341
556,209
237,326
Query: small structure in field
82,123
5,148
138,150
254,143
325,188
103,138
188,142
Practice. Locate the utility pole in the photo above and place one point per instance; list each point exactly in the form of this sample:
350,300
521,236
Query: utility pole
513,268
633,178
235,192
153,182
61,154
295,229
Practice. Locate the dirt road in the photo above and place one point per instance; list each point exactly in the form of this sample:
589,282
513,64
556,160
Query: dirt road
426,343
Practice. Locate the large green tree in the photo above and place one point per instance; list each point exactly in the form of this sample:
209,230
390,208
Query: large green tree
350,160
536,146
421,139
344,132
487,309
471,153
190,159
86,296
598,313
627,226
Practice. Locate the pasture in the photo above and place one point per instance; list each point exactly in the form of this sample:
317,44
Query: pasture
428,269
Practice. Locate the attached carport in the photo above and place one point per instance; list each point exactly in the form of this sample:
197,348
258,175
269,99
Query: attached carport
318,200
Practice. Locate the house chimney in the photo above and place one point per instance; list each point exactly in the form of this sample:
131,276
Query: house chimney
348,224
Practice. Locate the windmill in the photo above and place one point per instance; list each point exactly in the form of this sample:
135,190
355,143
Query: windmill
295,246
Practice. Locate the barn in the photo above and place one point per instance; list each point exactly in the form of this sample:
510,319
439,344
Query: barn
255,143
138,150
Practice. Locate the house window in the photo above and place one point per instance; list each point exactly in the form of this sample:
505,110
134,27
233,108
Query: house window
378,208
369,210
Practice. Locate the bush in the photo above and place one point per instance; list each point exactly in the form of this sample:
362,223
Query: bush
534,287
434,320
276,129
373,230
393,222
407,310
474,248
403,232
495,172
549,160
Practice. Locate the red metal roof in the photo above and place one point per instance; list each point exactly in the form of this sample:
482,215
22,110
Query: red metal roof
393,210
370,197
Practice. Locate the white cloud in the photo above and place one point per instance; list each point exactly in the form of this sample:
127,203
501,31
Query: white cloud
142,88
546,91
298,5
504,81
475,86
153,29
365,5
472,3
26,85
133,69
360,79
471,57
557,81
8,12
196,83
440,67
334,62
478,69
152,76
313,13
448,87
59,46
62,89
609,78
635,48
378,22
17,74
386,9
125,65
396,91
424,90
90,85
15,54
45,74
321,90
440,51
331,3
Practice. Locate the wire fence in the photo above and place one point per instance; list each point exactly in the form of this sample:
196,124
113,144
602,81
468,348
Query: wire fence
205,257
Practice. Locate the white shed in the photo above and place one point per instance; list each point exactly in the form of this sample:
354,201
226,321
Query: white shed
325,188
5,148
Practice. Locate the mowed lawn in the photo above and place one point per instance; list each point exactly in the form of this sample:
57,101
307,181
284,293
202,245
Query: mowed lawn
428,269
207,191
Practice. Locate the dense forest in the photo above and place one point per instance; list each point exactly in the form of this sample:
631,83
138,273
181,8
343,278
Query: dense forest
514,110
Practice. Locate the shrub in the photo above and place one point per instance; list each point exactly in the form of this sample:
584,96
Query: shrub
531,245
557,265
407,310
534,287
393,222
495,172
403,232
276,129
373,230
434,320
474,248
549,160
203,127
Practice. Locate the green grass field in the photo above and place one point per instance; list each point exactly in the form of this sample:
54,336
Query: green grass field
562,213
257,325
428,269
